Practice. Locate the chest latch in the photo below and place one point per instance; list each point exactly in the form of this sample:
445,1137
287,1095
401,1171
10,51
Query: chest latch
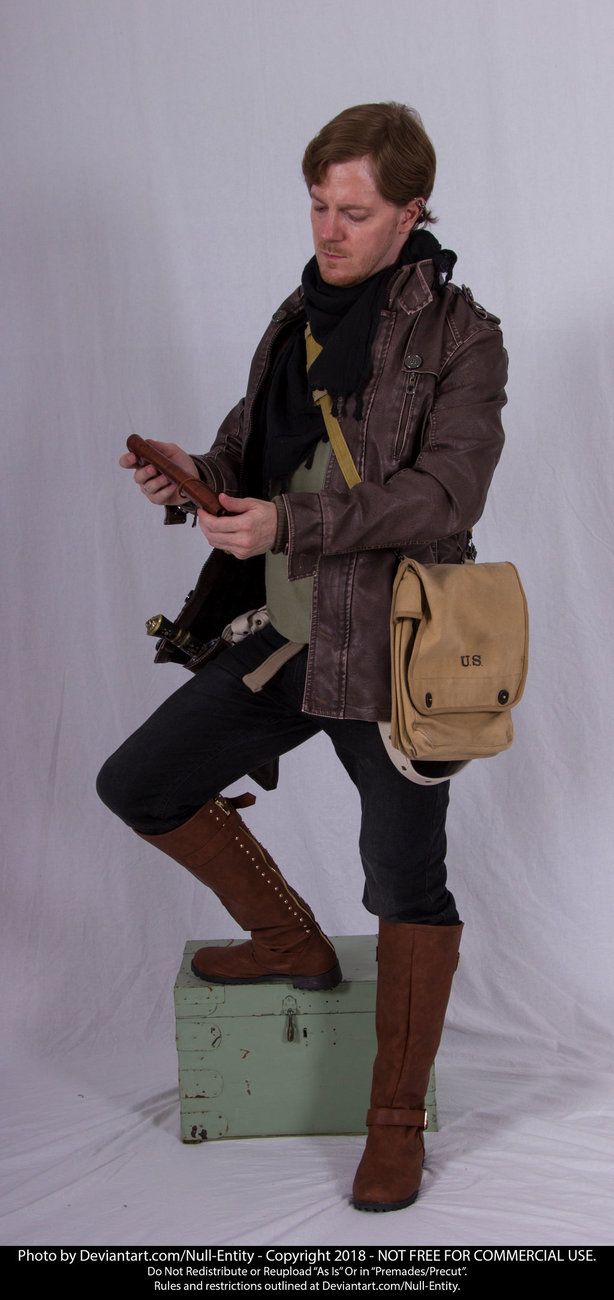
290,1010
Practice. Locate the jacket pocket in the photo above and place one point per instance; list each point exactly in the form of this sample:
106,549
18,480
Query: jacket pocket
407,405
413,422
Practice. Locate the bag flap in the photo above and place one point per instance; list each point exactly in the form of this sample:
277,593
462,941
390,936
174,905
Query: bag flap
470,650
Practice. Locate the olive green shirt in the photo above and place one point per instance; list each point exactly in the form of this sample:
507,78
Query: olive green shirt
289,603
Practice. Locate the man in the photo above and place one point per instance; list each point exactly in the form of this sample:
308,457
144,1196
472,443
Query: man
416,371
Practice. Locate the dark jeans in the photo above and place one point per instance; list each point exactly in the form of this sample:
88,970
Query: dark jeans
214,730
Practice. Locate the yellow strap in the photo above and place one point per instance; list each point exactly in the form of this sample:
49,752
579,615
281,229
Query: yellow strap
333,428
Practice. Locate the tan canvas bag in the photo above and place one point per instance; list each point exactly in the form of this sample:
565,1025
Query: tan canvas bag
459,641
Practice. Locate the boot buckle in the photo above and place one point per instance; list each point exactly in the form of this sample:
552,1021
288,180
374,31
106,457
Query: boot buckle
222,805
402,1116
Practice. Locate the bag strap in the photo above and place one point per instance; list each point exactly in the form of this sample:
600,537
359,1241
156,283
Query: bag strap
333,428
271,665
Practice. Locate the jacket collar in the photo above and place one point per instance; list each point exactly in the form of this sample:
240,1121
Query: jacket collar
410,290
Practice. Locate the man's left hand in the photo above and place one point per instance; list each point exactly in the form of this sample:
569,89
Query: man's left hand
249,529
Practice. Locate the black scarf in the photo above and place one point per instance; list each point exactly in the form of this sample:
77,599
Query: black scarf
344,319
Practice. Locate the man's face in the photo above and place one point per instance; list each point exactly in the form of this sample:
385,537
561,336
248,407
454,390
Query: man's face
355,231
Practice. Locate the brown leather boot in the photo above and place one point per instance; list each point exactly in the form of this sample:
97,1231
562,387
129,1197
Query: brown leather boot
416,965
287,942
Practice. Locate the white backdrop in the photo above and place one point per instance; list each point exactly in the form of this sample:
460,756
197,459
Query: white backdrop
153,215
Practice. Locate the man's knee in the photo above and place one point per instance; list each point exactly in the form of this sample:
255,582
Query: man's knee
116,788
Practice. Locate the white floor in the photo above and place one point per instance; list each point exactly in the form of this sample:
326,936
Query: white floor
92,1156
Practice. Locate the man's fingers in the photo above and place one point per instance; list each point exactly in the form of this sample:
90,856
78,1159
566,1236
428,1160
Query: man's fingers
221,535
231,523
237,504
226,525
154,483
148,474
220,531
248,532
157,487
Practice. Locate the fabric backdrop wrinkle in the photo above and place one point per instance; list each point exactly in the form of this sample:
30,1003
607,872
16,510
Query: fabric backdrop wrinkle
153,217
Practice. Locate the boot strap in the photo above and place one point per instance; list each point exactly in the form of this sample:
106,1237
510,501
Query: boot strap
240,800
390,1115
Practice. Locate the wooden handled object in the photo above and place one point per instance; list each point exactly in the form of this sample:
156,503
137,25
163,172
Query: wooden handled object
192,488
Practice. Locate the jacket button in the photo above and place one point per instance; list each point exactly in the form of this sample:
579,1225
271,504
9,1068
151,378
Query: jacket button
413,361
428,699
503,697
280,315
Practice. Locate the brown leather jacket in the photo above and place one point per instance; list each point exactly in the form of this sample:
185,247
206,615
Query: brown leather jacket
426,448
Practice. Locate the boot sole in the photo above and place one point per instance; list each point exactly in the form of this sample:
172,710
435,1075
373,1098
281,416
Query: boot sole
328,980
379,1207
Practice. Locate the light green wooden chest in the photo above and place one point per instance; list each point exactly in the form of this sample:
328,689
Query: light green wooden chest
268,1060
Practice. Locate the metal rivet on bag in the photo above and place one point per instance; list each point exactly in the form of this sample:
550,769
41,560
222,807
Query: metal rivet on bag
503,697
413,362
280,315
428,699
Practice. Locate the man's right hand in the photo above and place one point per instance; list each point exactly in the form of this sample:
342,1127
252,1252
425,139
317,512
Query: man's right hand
157,487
